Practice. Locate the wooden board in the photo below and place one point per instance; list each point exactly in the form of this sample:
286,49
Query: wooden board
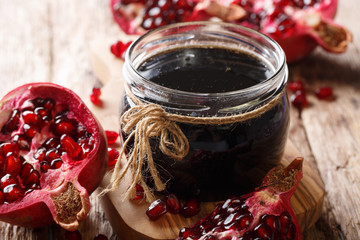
128,217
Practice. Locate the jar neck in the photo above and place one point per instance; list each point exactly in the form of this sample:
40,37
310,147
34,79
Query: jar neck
201,34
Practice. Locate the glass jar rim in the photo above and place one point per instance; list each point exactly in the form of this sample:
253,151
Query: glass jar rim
267,84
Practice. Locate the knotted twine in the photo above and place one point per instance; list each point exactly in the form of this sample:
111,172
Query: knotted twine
145,121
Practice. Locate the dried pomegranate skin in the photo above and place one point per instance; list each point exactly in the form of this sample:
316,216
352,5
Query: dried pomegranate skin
77,177
265,213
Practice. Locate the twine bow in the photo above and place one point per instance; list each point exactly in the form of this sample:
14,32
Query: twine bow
141,123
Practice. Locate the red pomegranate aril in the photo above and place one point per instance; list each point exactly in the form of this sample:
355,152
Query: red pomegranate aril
44,166
245,220
13,165
30,130
272,221
100,237
187,232
13,192
71,147
51,143
264,231
43,113
173,204
65,126
56,163
95,100
7,180
113,156
299,100
40,154
2,198
32,179
21,141
139,192
13,122
25,169
324,93
285,222
31,118
73,235
296,86
191,208
156,209
111,136
8,147
52,154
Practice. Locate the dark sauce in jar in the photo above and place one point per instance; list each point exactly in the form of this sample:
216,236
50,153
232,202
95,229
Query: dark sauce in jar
225,159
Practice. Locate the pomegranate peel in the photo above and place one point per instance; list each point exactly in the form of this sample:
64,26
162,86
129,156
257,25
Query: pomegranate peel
265,213
299,26
54,180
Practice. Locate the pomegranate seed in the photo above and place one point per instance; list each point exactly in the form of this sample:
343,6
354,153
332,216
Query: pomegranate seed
2,198
156,209
264,231
30,130
272,221
210,237
51,143
111,136
173,203
40,154
119,48
43,113
44,166
245,220
73,235
71,147
101,237
298,99
187,233
21,141
13,122
7,180
291,232
32,179
52,154
296,86
25,169
95,96
191,208
13,166
31,118
8,147
64,125
139,192
13,192
113,156
324,93
56,163
285,222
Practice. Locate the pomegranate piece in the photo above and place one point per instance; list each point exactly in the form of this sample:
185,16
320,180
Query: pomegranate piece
111,136
297,25
113,156
95,96
299,100
119,48
46,177
156,209
324,93
173,204
191,208
139,192
265,213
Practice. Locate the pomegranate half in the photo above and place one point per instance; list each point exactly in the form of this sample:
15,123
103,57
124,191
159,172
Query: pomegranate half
53,154
263,214
297,25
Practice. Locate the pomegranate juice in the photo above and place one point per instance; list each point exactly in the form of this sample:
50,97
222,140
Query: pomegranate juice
224,159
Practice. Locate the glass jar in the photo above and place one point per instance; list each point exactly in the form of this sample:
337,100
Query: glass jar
185,59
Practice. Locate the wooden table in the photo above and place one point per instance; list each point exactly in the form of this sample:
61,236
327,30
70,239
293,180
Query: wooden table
46,40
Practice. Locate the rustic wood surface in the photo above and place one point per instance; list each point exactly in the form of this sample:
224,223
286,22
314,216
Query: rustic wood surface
45,40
